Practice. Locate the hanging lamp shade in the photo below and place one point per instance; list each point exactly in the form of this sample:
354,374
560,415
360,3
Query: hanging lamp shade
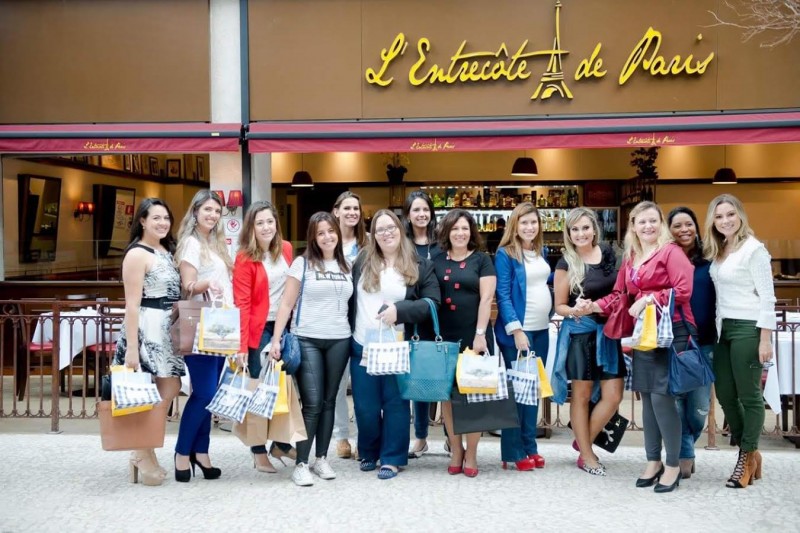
524,166
725,176
302,179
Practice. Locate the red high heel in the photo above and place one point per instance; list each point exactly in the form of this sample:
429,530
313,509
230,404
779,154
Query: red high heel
470,472
455,470
523,465
538,459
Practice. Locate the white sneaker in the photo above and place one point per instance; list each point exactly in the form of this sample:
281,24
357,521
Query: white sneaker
302,475
323,469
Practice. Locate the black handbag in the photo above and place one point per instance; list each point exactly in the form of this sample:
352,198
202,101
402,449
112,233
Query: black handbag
611,435
689,369
483,416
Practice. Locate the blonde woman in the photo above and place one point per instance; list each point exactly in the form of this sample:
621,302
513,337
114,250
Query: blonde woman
389,283
348,212
652,266
585,355
205,266
742,276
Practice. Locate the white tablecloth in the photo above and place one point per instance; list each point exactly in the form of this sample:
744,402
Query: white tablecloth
73,336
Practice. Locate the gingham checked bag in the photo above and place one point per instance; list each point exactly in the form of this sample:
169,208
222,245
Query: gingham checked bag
232,397
266,394
134,389
502,389
524,376
664,335
384,358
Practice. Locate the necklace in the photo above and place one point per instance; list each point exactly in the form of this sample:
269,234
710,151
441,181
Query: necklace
451,258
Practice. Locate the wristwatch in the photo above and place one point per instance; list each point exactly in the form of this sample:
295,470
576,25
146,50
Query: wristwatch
480,331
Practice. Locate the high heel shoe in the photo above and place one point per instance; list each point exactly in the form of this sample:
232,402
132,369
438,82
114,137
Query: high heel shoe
279,454
756,464
687,468
455,470
182,476
151,478
538,459
643,482
209,472
668,488
160,468
523,465
470,472
268,468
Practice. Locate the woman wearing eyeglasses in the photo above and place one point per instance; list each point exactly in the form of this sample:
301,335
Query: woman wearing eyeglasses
742,275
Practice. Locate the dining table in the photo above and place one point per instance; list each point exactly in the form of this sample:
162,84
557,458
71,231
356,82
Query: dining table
77,329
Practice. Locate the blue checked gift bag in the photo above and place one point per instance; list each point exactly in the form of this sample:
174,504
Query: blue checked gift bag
232,397
385,358
502,389
524,376
266,394
664,335
133,389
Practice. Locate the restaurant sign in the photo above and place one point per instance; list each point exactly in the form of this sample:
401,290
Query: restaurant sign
491,65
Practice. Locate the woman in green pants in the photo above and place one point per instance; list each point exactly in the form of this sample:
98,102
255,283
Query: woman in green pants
742,276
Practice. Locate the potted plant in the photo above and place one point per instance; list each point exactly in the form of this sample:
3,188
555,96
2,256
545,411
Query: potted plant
396,167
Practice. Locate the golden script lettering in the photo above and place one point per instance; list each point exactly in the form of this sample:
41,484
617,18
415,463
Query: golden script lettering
652,140
104,146
431,146
656,65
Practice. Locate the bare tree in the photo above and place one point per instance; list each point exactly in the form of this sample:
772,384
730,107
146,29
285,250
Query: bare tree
760,16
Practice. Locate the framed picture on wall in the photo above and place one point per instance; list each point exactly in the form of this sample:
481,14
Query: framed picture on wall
154,171
188,164
127,162
94,160
201,168
173,168
136,163
113,161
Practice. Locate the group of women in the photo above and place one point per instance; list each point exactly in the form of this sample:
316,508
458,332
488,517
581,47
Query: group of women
351,283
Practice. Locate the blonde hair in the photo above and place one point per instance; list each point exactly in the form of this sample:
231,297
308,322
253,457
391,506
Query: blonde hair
188,228
248,244
714,243
373,262
633,247
512,242
576,268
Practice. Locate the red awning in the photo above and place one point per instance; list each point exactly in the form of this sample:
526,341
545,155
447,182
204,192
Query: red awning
119,138
488,135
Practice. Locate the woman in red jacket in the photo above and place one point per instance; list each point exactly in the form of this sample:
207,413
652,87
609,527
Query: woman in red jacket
259,277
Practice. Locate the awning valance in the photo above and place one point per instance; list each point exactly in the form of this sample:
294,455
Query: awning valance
489,135
119,138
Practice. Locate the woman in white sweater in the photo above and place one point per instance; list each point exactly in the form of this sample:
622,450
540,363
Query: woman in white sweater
742,277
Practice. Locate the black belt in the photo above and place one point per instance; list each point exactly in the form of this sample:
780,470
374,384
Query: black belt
163,303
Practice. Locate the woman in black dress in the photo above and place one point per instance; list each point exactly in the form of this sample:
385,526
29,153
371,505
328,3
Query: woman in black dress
467,280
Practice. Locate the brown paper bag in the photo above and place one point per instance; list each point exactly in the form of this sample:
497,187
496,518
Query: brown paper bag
132,432
253,431
289,427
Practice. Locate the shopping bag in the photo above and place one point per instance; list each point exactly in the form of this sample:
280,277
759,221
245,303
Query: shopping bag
253,431
379,334
219,329
385,358
132,432
183,325
289,427
524,376
282,399
232,397
664,335
117,411
131,389
502,388
645,332
545,389
266,392
474,417
476,373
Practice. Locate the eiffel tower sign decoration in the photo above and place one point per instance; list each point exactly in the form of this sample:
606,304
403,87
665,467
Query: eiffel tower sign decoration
552,80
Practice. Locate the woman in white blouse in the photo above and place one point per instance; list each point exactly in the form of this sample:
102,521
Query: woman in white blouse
205,266
742,277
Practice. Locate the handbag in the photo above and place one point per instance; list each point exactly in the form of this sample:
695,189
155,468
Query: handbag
689,369
289,427
232,397
476,373
219,330
183,324
266,393
664,335
386,358
290,353
132,432
524,376
474,417
131,389
432,366
611,435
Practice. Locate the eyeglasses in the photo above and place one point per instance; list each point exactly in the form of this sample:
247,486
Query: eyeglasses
764,366
388,230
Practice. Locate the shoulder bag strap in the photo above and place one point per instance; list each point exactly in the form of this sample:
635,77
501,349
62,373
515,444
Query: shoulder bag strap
300,299
434,317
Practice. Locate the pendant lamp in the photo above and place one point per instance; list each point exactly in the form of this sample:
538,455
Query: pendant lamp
524,166
302,178
725,176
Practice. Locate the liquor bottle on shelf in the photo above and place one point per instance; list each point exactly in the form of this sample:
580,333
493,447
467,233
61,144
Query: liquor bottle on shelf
478,199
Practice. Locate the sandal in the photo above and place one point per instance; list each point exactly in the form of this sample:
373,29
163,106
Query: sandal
387,472
367,465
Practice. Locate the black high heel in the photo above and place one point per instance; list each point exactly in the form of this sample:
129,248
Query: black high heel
182,476
649,481
211,472
668,488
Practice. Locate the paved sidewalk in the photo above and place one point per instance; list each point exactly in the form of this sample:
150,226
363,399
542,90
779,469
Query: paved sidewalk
66,483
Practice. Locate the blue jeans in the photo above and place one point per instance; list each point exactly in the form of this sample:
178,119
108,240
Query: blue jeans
194,433
518,443
421,416
382,414
693,410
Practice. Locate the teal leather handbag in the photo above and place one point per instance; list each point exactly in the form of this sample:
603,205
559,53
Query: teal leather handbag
433,366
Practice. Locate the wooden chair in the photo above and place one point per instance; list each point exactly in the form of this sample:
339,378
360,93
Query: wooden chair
31,352
110,327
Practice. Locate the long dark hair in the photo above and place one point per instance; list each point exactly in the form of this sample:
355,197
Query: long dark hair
137,230
248,244
431,228
696,254
360,229
313,254
450,220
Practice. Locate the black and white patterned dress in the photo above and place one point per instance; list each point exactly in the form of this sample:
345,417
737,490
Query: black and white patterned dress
155,345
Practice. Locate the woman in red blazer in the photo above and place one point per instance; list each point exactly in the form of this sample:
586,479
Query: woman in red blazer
259,277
